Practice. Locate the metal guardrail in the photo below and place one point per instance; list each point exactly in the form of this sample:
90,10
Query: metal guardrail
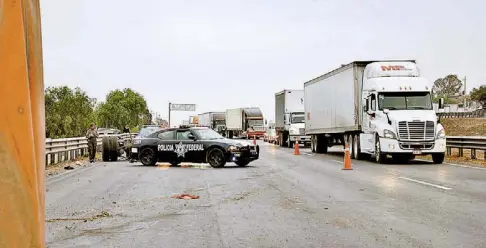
59,150
472,143
474,114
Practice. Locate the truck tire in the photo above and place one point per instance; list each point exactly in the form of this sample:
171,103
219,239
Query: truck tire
105,149
356,148
438,158
321,144
289,143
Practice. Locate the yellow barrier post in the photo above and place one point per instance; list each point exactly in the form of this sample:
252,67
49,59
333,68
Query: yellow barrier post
22,126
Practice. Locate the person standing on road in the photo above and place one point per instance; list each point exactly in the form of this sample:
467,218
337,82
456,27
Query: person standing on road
92,136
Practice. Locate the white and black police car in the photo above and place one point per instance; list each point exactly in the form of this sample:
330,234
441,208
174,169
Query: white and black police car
192,144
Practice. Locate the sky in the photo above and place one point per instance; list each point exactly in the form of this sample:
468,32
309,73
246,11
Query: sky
239,53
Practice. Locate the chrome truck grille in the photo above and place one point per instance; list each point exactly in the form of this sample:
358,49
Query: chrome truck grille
416,130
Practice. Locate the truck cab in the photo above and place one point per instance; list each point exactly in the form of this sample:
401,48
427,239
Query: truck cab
397,114
295,123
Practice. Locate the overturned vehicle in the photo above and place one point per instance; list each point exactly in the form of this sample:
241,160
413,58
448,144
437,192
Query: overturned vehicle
115,145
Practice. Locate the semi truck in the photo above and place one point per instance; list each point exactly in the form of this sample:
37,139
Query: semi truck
244,123
290,118
213,120
378,108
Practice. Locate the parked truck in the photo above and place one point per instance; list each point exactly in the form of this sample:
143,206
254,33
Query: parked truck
378,108
213,120
244,123
290,118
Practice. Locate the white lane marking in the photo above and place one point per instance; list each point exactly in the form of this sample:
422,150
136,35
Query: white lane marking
337,161
425,183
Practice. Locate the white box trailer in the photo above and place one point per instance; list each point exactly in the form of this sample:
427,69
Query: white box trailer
289,116
204,119
234,122
379,108
213,120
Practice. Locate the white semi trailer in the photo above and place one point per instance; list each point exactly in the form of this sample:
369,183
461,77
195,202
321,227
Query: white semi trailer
379,108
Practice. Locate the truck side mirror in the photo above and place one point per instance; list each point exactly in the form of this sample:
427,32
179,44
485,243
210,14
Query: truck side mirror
441,103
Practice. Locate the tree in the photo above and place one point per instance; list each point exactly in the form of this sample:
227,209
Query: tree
479,94
447,88
68,112
122,107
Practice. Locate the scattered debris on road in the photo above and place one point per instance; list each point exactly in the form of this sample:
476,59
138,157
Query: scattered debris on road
103,214
185,196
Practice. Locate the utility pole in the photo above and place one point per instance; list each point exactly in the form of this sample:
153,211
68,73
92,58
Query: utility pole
169,115
465,94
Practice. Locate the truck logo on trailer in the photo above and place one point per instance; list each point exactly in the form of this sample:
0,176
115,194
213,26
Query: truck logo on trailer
394,68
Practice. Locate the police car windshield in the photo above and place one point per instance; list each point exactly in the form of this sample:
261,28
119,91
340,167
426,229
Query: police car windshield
148,130
207,134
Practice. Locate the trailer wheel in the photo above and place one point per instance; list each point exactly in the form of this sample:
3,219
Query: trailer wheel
321,144
313,144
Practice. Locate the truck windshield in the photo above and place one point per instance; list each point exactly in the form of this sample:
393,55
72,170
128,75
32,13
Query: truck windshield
404,100
297,118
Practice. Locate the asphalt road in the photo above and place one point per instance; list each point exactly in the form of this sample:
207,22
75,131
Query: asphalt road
281,200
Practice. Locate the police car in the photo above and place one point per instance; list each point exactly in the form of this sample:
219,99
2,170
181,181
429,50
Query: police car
192,144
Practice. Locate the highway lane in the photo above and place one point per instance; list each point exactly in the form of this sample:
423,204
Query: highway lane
281,200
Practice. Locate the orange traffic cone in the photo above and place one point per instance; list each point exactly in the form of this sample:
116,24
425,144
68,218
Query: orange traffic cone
296,148
254,140
347,158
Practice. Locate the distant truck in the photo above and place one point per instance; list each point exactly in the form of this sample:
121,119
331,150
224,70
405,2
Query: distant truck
213,120
244,123
254,123
379,108
290,118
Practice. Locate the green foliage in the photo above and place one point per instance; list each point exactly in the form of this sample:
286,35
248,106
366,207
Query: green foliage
68,112
479,94
122,107
447,88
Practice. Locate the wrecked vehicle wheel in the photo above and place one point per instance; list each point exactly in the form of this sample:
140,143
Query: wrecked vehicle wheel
105,149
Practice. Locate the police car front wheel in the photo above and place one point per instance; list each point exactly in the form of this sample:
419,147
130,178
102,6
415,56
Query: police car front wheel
147,156
216,158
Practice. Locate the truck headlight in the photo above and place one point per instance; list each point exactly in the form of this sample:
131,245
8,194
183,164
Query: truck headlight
294,131
389,134
441,134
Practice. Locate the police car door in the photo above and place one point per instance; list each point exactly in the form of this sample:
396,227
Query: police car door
166,146
191,149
